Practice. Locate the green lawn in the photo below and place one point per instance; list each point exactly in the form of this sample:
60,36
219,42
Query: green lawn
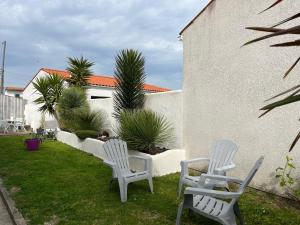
66,186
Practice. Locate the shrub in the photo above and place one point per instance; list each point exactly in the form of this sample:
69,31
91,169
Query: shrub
87,120
130,76
71,103
83,134
144,130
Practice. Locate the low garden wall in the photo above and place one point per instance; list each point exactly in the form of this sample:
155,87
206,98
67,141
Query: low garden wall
163,163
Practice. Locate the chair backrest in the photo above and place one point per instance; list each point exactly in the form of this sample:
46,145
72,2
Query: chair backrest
252,173
116,151
51,125
221,155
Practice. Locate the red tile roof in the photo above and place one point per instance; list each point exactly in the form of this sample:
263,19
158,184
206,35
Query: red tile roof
103,81
14,89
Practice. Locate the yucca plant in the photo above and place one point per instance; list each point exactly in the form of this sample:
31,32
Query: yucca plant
90,120
80,71
144,130
292,93
72,102
49,90
130,79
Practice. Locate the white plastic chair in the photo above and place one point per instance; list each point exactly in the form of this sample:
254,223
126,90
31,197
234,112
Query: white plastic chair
220,161
118,159
212,204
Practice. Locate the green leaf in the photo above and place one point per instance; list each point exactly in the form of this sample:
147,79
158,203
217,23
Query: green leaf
291,68
288,44
271,6
279,33
269,29
285,101
297,87
287,20
294,142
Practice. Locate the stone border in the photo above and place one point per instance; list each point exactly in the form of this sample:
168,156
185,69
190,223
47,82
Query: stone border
13,212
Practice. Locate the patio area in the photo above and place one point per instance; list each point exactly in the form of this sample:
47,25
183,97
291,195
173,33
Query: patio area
61,185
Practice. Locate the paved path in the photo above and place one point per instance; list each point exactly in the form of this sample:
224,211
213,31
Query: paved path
4,216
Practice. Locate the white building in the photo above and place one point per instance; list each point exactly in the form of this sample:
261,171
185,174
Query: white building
100,87
14,91
224,85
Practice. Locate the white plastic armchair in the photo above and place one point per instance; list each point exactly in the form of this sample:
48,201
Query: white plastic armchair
212,204
117,158
220,161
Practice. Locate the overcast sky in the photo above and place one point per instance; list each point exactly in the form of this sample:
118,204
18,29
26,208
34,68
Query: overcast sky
43,33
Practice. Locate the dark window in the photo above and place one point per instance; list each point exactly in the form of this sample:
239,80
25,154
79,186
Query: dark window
17,95
96,97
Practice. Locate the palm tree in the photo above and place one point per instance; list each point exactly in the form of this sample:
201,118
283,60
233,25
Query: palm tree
130,79
79,69
50,89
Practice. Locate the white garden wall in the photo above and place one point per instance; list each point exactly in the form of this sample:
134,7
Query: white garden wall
168,104
163,164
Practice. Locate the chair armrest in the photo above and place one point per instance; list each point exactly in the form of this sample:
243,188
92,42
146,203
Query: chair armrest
222,169
212,193
184,164
109,163
147,160
221,178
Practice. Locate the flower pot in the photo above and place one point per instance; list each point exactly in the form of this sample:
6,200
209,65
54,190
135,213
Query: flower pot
32,144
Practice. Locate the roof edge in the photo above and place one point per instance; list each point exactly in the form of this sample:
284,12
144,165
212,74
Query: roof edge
192,21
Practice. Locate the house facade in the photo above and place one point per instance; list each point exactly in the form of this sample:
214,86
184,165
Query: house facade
14,91
225,85
100,87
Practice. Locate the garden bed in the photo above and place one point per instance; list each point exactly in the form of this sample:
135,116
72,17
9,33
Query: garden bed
163,163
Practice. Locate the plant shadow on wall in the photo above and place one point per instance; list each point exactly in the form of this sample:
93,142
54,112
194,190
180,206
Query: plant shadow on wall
283,174
143,130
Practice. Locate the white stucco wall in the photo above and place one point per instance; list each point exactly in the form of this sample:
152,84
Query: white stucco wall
224,86
168,104
13,93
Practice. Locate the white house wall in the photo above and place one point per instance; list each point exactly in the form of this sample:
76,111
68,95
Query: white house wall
168,104
224,86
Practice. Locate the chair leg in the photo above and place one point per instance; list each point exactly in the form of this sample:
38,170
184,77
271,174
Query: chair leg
150,184
125,187
237,212
179,188
110,183
179,213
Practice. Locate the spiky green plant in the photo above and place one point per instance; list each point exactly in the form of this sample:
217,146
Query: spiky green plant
49,90
72,102
144,130
292,94
90,120
80,71
130,79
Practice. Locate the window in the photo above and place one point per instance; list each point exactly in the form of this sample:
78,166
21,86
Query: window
97,97
17,95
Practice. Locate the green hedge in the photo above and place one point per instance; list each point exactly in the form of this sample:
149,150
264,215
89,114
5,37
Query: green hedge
83,134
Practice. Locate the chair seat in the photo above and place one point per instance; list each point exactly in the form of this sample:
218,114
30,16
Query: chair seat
209,205
193,181
131,176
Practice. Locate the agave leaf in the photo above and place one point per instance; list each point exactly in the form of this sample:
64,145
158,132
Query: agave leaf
285,92
269,29
291,68
271,6
294,142
288,44
279,33
282,102
287,20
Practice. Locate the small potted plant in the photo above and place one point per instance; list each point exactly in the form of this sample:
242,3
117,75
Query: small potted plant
32,144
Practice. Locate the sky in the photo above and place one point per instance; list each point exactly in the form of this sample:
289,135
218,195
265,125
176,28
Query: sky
44,33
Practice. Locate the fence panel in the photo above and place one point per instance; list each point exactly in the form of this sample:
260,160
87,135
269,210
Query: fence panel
11,107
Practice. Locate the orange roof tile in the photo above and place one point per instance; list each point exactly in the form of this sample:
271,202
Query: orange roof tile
14,89
104,81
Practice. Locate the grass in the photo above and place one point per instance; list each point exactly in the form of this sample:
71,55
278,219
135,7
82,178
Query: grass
62,185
